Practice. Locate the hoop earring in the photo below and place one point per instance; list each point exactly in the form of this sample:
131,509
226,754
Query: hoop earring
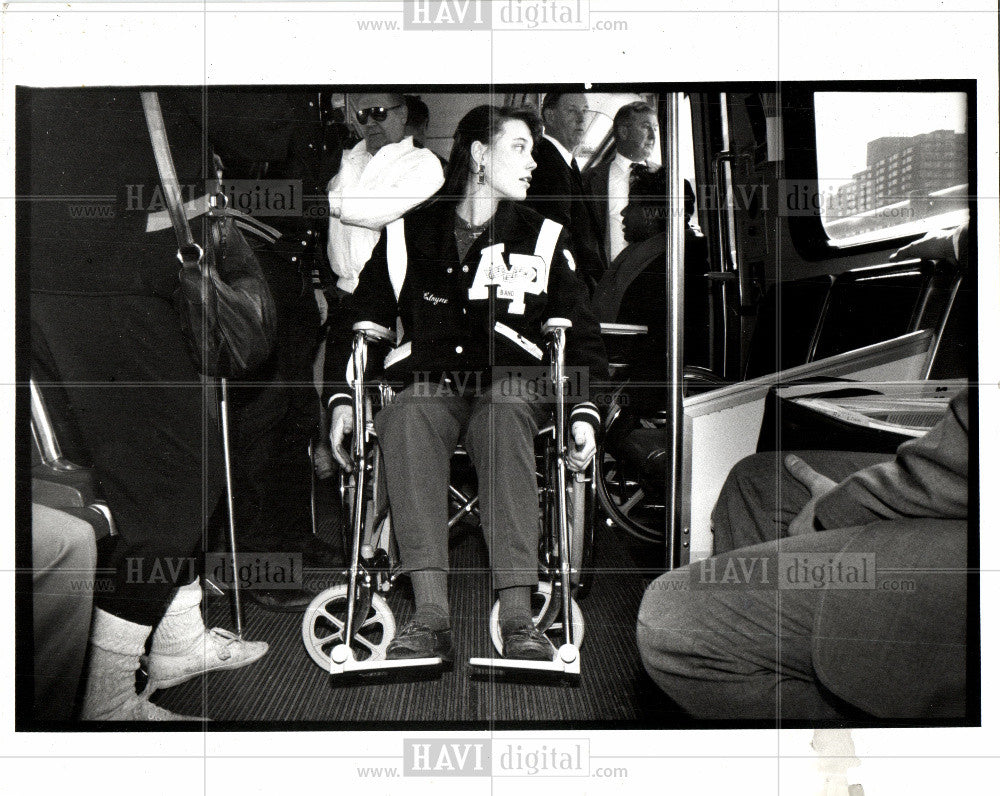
481,174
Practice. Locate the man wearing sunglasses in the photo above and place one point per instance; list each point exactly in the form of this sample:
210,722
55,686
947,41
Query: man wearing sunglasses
380,178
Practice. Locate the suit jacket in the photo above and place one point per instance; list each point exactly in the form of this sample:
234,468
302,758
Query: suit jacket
557,192
596,184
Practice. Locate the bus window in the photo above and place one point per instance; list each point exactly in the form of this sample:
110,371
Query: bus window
890,163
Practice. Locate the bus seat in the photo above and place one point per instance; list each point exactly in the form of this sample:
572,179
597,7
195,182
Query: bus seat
787,320
58,483
869,305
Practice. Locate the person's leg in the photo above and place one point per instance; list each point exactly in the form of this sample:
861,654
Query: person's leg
500,440
149,425
725,640
760,498
270,442
418,434
145,419
898,649
63,559
286,507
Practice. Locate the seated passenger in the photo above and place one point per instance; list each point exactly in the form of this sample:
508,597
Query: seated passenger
380,178
723,644
828,650
465,359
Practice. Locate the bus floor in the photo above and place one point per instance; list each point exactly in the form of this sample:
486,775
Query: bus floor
286,686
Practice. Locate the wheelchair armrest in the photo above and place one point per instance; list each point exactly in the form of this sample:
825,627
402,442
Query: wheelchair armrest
373,331
698,380
74,493
624,329
700,374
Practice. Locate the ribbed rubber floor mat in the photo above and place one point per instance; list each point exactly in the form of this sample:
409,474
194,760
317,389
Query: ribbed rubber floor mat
287,686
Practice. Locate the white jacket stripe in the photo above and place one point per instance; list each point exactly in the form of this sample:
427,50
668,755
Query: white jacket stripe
548,237
395,251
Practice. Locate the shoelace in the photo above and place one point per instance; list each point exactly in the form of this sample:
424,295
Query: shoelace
414,628
225,639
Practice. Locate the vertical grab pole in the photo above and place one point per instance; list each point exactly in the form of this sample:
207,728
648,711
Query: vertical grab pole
675,325
224,410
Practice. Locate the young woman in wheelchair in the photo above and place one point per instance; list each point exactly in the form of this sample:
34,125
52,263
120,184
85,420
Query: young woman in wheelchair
471,277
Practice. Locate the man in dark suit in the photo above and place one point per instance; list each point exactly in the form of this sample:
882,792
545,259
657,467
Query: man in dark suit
608,182
557,189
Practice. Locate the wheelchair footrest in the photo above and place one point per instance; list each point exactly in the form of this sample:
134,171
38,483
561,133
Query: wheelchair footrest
342,661
566,661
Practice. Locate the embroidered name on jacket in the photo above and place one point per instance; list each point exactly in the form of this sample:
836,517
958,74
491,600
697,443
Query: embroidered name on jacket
428,296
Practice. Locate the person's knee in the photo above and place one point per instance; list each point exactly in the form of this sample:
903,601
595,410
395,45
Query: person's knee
391,416
756,468
62,540
81,547
734,517
666,620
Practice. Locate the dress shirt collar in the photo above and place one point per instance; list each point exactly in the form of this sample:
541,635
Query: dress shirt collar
624,163
566,154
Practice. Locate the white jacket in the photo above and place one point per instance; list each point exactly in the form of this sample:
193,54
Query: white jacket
368,193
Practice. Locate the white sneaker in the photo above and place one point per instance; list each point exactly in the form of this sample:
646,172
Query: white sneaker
216,650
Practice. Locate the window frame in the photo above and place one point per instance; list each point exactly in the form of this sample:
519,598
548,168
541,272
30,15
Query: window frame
807,232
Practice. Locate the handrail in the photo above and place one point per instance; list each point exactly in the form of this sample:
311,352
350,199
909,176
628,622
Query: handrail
44,433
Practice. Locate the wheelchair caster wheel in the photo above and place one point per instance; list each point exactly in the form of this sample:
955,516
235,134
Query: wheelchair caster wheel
540,602
324,622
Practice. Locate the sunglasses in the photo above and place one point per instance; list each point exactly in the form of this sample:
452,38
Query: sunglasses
378,114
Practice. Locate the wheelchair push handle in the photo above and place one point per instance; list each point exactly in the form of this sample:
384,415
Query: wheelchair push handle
373,332
555,324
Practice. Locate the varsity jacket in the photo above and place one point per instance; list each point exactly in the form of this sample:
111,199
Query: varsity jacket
443,307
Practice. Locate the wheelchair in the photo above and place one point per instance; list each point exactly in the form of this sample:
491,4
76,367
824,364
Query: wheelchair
347,628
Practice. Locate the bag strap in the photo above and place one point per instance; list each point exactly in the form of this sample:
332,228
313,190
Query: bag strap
188,252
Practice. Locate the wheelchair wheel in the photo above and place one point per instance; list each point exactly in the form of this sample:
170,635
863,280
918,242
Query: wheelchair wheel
325,619
541,603
580,517
580,509
626,503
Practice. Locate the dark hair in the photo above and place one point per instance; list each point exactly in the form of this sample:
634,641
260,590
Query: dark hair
625,112
417,112
647,186
647,196
688,201
550,101
481,124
